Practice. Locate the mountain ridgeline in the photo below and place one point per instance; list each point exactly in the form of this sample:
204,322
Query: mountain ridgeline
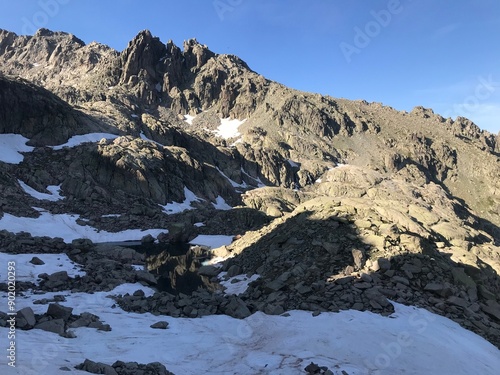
323,188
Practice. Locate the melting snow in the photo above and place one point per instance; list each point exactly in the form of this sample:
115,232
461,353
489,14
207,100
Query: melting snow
258,180
176,207
412,341
28,272
143,137
212,240
233,183
220,204
237,284
189,119
11,146
53,196
66,227
85,138
229,128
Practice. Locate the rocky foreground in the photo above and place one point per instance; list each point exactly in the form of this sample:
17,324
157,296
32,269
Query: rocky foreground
334,205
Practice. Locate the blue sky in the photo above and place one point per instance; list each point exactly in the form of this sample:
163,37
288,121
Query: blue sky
442,54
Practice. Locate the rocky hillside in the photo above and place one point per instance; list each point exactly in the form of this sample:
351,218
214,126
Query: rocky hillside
337,204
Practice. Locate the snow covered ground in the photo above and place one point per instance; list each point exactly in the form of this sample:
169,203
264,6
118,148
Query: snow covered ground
411,341
233,183
80,139
11,146
229,128
220,204
66,227
53,189
25,271
212,240
176,207
189,119
237,284
143,136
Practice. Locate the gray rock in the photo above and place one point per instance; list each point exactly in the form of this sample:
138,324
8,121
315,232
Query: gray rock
460,277
359,258
437,288
457,301
148,239
57,311
37,261
485,293
237,308
210,271
61,276
146,277
160,325
25,318
492,308
96,368
82,244
56,326
234,270
383,264
271,309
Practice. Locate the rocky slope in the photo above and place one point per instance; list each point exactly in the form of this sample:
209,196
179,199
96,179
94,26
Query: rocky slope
363,204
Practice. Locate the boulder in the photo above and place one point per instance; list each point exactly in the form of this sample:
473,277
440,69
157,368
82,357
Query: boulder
56,326
25,318
37,261
58,311
160,325
96,368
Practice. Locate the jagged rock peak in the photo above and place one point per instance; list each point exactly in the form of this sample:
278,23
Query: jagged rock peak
142,54
196,54
46,33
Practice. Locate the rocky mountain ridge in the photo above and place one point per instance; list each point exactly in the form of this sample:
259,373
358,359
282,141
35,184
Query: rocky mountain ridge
337,204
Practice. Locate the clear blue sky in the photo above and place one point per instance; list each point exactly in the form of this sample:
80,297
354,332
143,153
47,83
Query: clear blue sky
441,54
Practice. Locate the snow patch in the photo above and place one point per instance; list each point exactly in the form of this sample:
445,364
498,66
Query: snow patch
112,215
293,164
212,240
54,190
143,137
256,179
176,207
198,225
237,284
85,138
66,227
28,272
412,341
229,128
220,204
11,146
233,183
189,119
